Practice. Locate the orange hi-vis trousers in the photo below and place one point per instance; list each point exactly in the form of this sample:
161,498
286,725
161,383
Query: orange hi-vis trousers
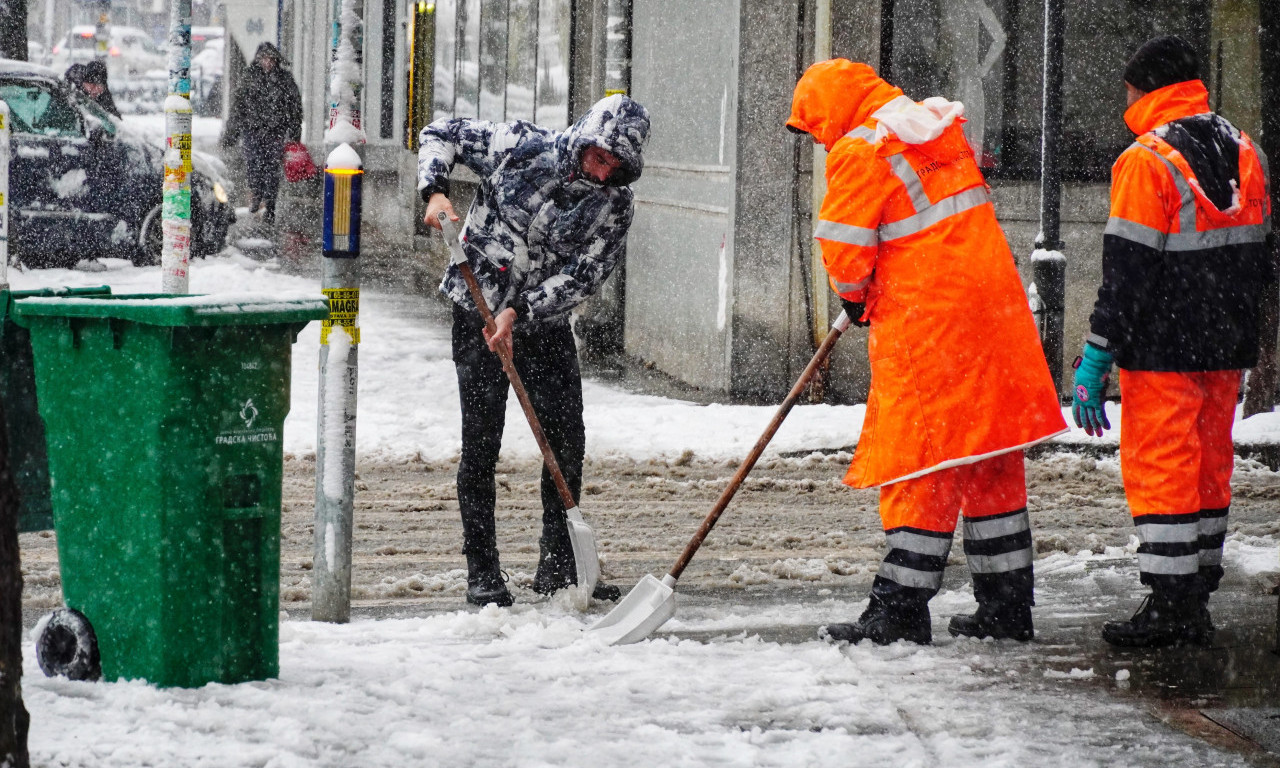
919,517
1176,459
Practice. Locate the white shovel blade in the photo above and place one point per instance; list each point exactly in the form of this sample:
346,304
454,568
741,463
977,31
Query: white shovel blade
585,557
642,611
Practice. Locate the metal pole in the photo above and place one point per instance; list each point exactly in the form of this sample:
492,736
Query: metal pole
1048,265
102,31
175,215
4,196
340,335
48,31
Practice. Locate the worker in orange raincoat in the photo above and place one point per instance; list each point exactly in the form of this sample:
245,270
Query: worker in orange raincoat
959,384
1184,262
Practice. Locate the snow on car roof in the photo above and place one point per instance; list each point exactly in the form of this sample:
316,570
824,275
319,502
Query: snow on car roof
15,67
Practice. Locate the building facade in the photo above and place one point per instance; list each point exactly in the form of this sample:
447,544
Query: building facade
722,287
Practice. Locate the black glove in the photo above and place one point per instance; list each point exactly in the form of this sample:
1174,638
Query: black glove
855,310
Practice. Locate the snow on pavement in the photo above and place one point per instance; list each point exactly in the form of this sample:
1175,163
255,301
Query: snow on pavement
408,391
524,687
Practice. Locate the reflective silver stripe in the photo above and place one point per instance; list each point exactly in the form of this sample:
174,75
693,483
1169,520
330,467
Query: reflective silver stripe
843,288
994,529
1138,233
909,577
1009,561
1187,213
864,133
1216,238
1097,341
1162,533
1168,566
1210,526
1211,556
943,209
845,233
911,180
922,545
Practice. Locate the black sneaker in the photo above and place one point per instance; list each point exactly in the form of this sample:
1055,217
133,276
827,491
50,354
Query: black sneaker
1005,622
884,623
489,586
1161,622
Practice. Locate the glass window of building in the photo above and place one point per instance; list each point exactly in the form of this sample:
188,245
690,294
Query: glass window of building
503,60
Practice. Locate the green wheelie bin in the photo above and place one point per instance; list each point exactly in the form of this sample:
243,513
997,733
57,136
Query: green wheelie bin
25,431
163,417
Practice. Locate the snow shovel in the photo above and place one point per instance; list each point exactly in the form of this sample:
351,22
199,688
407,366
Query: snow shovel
585,558
652,602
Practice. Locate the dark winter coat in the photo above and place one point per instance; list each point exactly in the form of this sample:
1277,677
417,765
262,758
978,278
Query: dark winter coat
266,103
93,72
541,236
1184,255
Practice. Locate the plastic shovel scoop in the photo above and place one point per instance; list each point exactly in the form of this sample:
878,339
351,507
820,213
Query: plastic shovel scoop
585,557
651,603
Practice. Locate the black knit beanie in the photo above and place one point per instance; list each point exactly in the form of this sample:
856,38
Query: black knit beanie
1162,61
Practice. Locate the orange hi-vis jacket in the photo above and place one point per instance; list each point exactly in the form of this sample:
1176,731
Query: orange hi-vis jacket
957,371
1184,258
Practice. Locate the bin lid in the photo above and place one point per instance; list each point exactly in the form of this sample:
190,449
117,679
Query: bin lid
8,297
180,310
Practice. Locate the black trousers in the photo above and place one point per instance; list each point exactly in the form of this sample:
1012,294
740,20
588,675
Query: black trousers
264,166
547,362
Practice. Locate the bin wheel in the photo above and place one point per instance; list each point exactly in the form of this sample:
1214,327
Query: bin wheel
67,646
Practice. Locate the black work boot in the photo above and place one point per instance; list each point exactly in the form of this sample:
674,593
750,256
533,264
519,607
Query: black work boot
557,571
885,621
1004,608
999,622
485,581
1163,621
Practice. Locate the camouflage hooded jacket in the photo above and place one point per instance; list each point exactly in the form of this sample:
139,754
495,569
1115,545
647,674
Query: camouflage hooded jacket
541,236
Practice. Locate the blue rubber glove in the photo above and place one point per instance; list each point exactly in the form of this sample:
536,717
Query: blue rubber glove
1093,369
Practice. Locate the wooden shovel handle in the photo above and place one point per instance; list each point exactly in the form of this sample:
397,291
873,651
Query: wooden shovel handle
825,349
508,365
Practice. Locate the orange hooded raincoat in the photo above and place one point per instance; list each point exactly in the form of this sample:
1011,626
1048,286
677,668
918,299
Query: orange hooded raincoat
957,371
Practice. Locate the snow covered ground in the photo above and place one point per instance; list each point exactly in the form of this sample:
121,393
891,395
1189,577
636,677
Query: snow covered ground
524,687
408,389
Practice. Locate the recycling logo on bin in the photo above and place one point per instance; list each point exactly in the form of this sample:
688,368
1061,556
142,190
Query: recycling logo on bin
242,431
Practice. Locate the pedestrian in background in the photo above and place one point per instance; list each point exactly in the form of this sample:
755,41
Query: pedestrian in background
547,227
1184,263
266,112
91,80
959,384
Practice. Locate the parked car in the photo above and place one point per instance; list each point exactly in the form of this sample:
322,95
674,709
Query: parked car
130,52
82,185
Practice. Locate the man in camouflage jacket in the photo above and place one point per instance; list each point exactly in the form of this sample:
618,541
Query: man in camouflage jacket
547,227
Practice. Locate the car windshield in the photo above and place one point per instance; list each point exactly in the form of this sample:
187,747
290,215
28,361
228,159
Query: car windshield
35,109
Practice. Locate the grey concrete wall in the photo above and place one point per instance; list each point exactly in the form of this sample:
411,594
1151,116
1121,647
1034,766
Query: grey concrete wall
763,246
1084,215
678,315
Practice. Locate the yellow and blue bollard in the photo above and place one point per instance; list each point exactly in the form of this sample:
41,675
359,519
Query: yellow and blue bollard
343,182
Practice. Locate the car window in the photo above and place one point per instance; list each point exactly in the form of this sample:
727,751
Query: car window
35,109
103,117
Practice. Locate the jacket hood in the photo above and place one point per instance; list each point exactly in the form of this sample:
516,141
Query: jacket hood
833,97
1166,105
617,124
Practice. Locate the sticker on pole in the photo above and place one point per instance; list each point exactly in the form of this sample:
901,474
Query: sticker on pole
344,311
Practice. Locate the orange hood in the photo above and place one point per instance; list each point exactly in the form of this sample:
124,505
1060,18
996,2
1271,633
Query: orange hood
834,97
1167,104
